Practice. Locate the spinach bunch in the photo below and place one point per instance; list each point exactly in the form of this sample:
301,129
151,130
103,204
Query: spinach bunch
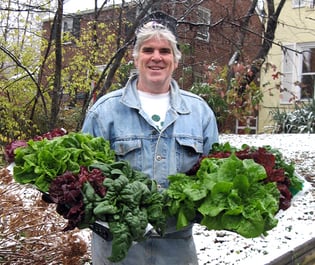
40,162
114,193
226,194
131,202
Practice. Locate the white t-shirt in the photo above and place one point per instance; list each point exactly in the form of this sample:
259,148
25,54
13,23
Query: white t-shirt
156,106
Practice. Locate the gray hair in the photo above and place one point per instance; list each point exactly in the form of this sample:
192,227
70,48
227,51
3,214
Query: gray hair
153,29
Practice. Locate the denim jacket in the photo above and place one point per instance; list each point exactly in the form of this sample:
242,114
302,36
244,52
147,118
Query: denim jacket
189,130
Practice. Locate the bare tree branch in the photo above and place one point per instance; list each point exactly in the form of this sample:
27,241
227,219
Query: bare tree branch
18,63
268,39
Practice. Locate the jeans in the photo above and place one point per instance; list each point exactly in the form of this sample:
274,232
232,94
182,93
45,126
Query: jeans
173,249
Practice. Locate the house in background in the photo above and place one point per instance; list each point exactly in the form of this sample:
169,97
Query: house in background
293,56
201,45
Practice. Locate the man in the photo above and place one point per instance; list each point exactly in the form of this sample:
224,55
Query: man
160,129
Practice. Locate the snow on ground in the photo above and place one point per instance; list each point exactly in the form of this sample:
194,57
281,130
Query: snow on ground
296,225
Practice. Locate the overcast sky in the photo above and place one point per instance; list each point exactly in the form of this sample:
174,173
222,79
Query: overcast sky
72,6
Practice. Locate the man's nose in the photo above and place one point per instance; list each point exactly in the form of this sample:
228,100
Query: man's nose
156,56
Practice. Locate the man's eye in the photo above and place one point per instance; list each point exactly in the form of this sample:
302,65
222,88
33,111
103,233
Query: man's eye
147,50
165,51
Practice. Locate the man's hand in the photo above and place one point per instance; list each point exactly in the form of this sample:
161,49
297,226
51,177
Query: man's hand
102,229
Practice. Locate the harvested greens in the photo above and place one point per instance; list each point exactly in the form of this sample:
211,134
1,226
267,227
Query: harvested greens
115,193
10,148
226,194
233,189
42,161
239,190
79,174
277,169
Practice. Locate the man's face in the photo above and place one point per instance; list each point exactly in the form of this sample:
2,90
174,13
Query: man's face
155,65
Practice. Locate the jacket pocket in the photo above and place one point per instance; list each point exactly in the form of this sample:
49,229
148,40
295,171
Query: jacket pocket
188,152
129,150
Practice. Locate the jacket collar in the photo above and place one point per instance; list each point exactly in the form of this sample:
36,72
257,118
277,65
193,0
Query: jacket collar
131,99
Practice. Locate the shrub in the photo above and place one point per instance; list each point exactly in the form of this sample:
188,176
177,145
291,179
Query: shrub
222,93
299,120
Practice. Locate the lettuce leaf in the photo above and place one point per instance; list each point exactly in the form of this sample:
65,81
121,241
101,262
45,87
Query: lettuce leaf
228,193
42,161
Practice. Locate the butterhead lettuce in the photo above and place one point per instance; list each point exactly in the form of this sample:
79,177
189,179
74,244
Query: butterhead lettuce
226,194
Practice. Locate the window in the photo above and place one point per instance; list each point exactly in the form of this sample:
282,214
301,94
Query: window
298,80
298,3
308,73
203,16
67,27
310,3
67,24
303,3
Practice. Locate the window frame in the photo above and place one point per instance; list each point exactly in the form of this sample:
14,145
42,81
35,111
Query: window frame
304,49
292,67
203,16
303,3
69,22
73,25
298,3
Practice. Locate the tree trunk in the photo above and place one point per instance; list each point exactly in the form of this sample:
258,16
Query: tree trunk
268,38
57,89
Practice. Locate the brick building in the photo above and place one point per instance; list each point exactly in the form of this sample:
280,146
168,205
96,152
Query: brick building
201,45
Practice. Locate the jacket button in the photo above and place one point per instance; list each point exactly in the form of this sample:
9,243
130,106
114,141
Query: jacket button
158,157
